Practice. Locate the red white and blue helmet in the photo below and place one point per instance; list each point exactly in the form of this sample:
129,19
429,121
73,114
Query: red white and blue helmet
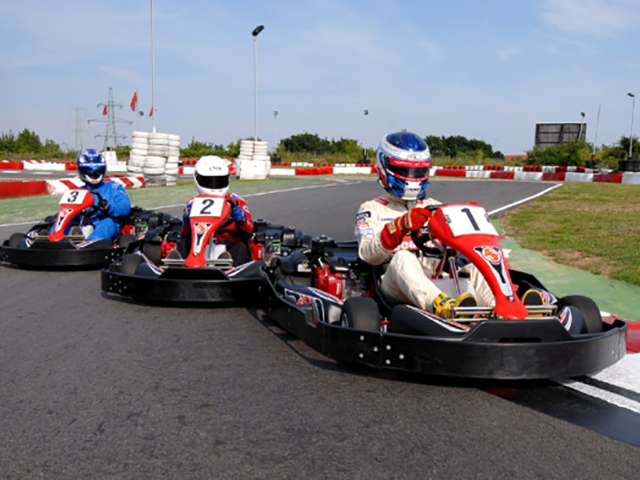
92,167
404,161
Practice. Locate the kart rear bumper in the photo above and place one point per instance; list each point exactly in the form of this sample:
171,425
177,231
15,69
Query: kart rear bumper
64,256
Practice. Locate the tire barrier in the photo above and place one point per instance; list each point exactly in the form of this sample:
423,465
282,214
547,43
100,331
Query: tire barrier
156,156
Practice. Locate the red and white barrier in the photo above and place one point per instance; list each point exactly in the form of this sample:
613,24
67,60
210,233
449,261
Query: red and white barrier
57,187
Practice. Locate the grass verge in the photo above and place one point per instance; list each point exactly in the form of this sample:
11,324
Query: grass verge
591,226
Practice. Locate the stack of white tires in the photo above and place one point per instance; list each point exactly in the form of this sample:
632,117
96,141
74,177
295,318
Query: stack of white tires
172,166
156,156
253,161
138,153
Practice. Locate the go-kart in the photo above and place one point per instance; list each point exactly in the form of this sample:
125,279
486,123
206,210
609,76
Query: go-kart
329,298
153,271
47,246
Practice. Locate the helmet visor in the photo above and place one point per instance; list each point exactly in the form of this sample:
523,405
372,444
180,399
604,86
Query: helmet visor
92,172
212,182
410,169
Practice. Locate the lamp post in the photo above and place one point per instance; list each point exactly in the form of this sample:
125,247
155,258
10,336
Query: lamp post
255,33
153,69
275,126
633,109
581,126
364,147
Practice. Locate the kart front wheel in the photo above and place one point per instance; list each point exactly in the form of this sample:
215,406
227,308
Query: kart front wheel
589,310
129,263
360,313
14,239
125,240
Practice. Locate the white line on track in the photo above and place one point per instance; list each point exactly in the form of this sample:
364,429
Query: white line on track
271,192
243,196
528,199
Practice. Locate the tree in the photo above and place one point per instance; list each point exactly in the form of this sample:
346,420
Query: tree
28,142
306,143
565,154
459,146
623,144
346,146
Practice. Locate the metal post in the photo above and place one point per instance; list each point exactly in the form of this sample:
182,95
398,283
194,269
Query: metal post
633,109
255,33
581,126
595,138
153,70
275,126
364,140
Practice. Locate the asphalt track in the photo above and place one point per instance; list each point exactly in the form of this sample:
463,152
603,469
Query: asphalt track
92,386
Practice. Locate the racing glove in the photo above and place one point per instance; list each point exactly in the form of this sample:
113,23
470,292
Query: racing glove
103,206
237,214
393,232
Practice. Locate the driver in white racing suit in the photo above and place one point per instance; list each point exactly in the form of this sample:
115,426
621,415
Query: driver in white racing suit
383,226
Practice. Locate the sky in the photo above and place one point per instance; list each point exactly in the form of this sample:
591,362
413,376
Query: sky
487,69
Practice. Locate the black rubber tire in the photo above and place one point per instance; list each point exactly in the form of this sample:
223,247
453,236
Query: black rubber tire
360,313
153,252
589,309
125,240
14,239
155,220
129,264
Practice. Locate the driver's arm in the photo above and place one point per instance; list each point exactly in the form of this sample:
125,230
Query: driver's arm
119,203
368,230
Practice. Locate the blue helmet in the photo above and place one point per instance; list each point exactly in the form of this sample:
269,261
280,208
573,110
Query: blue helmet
403,161
92,167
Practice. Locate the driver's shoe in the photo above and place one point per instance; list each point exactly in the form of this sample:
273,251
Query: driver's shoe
533,298
443,305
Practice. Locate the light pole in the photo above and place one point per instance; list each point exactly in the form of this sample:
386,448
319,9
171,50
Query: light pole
633,110
255,33
364,147
153,70
581,126
275,126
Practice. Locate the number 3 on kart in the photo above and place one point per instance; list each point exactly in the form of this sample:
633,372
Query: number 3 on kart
73,197
207,207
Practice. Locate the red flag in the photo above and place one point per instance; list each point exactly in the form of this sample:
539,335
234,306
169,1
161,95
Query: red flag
134,101
151,111
105,110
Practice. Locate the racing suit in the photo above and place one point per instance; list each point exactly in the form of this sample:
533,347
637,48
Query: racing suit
234,235
407,280
106,225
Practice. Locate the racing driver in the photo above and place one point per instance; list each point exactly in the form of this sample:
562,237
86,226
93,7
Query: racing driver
383,226
112,201
211,177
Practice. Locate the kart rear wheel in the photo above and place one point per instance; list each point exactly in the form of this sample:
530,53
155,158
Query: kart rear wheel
130,263
589,310
125,240
153,252
360,313
14,239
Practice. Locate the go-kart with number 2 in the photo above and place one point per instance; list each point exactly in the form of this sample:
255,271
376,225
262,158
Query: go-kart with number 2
154,271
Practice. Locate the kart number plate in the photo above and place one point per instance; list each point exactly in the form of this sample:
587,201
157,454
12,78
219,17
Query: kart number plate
73,197
207,207
468,220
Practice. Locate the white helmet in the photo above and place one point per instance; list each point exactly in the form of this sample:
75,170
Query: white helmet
211,175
